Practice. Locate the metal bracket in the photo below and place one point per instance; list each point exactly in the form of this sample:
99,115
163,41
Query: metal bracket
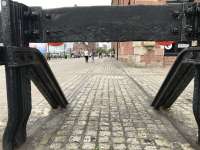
25,23
192,28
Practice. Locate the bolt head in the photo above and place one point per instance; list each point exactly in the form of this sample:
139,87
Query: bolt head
175,30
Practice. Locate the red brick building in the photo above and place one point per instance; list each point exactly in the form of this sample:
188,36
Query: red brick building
141,53
79,47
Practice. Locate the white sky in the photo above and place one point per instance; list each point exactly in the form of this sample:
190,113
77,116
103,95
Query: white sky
64,3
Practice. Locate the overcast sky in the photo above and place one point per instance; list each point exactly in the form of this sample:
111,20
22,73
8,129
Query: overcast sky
64,3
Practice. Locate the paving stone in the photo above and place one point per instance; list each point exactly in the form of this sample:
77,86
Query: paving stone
88,146
119,146
104,128
107,109
105,133
134,141
104,139
117,128
162,142
60,139
77,132
63,132
118,133
103,146
134,147
56,146
150,148
118,140
72,146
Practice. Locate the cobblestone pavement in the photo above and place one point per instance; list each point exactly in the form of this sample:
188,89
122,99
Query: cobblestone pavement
109,110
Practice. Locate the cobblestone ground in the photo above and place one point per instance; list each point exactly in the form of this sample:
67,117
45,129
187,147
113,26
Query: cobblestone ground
109,110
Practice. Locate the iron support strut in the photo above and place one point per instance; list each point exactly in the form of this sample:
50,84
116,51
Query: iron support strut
19,106
196,99
20,66
17,81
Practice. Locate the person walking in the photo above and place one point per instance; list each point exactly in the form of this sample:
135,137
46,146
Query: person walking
100,54
93,55
86,54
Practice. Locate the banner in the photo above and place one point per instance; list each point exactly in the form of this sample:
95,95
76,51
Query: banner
42,47
56,47
165,43
56,44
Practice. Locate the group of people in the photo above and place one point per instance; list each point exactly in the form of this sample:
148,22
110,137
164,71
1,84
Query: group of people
87,55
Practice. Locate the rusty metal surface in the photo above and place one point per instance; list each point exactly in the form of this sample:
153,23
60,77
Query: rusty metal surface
107,24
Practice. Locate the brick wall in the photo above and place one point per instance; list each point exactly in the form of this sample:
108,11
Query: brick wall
79,47
125,48
138,2
148,2
147,54
139,55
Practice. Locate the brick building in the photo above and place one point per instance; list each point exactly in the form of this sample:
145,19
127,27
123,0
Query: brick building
79,47
141,53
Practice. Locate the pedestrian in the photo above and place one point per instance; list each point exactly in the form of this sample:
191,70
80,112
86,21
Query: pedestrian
100,54
93,55
86,54
48,56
